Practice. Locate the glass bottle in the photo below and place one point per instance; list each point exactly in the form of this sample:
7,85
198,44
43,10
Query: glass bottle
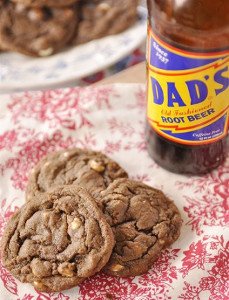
188,84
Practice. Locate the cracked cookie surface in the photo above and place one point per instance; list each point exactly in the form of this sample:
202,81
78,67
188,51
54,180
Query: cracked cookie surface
92,170
36,31
143,220
99,18
56,242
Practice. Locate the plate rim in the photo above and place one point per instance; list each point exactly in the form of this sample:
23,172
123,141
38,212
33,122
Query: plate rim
18,86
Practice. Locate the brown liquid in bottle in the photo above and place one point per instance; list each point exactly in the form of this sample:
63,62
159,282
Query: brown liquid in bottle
192,25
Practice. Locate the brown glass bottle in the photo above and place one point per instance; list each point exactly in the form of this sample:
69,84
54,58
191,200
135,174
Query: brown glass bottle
191,25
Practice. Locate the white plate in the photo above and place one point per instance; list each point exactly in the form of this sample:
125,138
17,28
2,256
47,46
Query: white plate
19,72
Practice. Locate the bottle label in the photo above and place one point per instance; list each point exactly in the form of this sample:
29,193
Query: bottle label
188,93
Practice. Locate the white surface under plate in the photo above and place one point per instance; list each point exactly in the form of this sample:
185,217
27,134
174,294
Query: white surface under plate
19,72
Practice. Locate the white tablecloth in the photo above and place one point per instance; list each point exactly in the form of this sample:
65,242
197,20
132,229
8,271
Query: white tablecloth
111,119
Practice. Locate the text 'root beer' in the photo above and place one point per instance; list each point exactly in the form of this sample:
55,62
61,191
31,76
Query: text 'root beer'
188,84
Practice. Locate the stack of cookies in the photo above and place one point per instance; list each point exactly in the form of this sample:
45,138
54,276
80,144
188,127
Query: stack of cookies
42,27
84,215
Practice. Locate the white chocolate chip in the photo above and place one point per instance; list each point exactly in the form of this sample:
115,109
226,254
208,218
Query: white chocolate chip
19,7
32,171
28,198
46,164
104,7
116,267
66,269
96,166
67,272
161,242
66,154
45,52
46,216
38,285
75,224
35,14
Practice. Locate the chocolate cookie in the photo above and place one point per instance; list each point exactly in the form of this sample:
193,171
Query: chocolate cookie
58,241
99,18
49,3
36,31
90,169
144,221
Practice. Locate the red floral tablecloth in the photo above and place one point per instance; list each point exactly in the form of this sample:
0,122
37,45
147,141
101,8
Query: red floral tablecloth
111,119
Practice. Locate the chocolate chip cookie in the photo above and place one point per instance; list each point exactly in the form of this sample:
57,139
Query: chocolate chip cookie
58,241
36,31
49,3
99,18
90,169
144,221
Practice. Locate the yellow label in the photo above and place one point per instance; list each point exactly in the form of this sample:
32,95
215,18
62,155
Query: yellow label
188,93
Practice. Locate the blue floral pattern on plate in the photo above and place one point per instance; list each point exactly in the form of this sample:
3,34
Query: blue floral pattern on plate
19,72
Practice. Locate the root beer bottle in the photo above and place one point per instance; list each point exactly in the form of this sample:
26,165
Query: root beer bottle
188,84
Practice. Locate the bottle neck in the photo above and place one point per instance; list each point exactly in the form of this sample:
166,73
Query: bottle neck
191,23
